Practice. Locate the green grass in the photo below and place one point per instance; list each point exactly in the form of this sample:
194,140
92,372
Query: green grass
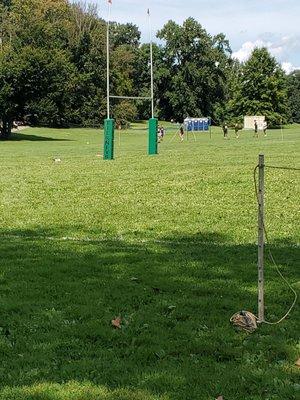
167,243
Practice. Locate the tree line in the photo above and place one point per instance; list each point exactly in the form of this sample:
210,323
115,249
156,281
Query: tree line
53,71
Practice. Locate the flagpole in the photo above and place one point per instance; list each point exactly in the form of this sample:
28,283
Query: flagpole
107,59
151,66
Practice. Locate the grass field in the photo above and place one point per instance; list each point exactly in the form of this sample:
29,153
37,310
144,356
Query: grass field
168,243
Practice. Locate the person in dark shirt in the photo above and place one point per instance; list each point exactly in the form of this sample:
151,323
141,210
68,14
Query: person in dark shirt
255,128
225,131
265,127
236,130
181,133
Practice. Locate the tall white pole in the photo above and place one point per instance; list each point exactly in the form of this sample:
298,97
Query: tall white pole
107,60
151,66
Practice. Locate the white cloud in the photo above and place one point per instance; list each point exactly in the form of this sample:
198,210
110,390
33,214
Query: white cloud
247,48
276,49
289,67
273,22
281,48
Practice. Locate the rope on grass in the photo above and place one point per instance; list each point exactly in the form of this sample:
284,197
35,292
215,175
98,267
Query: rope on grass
269,250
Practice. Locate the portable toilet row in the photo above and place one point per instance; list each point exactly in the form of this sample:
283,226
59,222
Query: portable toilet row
197,124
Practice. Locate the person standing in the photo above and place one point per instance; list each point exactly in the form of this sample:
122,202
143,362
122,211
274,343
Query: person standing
225,131
181,133
236,130
158,134
255,129
265,127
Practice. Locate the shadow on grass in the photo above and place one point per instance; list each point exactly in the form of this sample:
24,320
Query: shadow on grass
175,298
18,137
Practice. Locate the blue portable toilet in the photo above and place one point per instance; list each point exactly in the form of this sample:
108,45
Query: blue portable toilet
188,124
185,122
195,125
206,124
201,124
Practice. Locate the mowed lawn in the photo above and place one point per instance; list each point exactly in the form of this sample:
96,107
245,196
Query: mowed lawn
168,244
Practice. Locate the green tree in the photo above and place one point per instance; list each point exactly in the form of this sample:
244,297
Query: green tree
261,89
293,83
191,76
87,38
35,83
124,34
124,113
224,110
40,23
34,64
52,63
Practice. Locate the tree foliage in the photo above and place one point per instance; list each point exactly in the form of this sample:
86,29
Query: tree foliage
293,85
192,77
261,89
53,70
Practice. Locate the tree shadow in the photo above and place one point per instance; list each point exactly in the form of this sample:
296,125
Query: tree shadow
18,137
175,297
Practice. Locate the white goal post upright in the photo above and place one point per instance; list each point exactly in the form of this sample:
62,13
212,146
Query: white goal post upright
109,124
151,65
108,59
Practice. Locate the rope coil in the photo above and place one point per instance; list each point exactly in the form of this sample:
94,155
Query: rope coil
244,320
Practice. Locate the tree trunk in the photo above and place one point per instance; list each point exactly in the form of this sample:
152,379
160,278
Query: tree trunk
5,129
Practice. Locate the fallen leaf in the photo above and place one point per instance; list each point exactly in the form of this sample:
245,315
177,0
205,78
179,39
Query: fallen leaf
117,322
298,363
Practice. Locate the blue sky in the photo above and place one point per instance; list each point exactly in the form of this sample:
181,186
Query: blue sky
246,23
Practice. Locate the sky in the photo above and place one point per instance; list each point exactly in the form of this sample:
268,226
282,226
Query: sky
246,23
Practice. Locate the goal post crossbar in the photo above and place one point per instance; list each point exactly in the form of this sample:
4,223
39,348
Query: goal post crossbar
130,97
108,65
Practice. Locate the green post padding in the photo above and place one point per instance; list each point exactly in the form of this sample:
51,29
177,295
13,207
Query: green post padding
153,125
109,133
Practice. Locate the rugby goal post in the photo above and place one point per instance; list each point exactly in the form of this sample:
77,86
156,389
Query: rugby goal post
109,123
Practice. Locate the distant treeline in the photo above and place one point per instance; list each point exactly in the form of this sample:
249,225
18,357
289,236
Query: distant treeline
53,71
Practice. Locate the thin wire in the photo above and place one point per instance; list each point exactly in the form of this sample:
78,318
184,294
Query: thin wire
271,255
284,168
